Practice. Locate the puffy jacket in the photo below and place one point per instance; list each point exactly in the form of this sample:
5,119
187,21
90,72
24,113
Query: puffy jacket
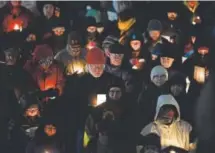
177,134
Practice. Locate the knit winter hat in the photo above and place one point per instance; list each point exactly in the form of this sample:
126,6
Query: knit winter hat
136,36
178,78
158,70
117,49
154,25
42,51
90,21
168,51
95,56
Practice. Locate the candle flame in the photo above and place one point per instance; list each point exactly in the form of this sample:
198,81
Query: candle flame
76,67
17,27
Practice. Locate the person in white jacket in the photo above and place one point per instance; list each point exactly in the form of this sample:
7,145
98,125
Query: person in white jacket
167,124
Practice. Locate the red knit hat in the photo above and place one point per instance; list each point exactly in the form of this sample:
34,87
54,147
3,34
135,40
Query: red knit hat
95,56
42,51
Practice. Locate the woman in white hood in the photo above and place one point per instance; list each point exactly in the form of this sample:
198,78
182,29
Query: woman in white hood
167,124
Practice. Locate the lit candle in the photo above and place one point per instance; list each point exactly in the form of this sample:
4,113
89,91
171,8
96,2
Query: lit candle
101,98
172,151
77,67
199,74
17,27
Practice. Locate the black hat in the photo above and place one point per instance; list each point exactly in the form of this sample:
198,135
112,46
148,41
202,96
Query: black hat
178,78
172,7
168,51
28,100
154,24
41,4
117,49
136,36
90,21
126,15
74,39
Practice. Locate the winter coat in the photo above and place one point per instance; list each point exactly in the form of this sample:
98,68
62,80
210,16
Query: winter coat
177,134
109,135
17,79
64,56
53,78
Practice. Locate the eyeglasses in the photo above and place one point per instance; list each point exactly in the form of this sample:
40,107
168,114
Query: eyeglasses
116,55
97,66
160,76
46,61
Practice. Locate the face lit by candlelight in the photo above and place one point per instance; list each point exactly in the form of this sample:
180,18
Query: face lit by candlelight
48,10
50,130
203,50
91,29
96,70
59,31
32,111
192,3
135,44
166,62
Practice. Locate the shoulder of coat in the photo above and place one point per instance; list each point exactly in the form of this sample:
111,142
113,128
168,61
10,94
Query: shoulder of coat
185,125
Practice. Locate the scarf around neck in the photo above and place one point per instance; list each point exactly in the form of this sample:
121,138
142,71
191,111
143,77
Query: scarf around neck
126,25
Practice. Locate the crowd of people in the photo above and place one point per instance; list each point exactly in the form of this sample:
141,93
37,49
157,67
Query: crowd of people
104,76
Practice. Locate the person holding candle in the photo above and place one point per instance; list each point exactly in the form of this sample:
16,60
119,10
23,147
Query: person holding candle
23,129
48,137
17,17
73,53
167,124
113,123
46,72
47,26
